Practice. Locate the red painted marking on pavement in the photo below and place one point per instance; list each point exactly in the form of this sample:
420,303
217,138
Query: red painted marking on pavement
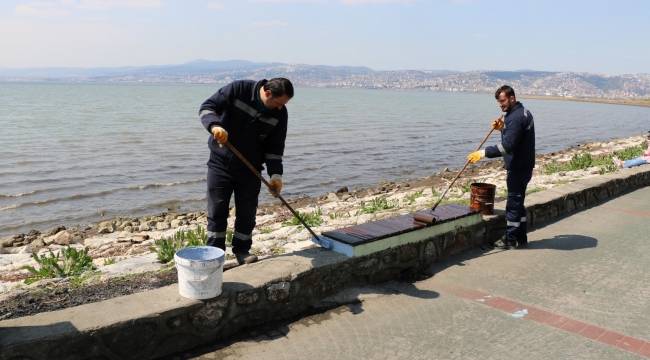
628,343
635,212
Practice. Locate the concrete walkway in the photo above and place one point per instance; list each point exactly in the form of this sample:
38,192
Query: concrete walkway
581,291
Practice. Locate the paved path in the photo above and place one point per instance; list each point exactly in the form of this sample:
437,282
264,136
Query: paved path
581,291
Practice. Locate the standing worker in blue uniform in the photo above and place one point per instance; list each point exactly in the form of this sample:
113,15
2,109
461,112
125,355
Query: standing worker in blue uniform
518,150
252,116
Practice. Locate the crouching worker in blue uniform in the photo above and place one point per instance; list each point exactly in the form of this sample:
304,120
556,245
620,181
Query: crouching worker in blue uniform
518,150
251,116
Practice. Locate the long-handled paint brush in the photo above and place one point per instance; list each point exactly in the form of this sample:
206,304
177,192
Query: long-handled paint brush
430,217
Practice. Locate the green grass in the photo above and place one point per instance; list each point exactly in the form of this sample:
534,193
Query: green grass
312,219
166,248
110,261
534,190
265,230
468,186
410,200
67,262
585,160
376,205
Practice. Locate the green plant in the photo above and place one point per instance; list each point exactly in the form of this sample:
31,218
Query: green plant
77,281
265,230
166,248
534,190
256,251
585,160
630,152
311,219
410,200
377,204
109,261
607,169
468,185
229,237
73,262
198,238
277,250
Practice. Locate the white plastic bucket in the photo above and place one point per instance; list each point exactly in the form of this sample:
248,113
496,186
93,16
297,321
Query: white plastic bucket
200,271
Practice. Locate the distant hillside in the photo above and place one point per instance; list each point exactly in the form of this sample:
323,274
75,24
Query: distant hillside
531,82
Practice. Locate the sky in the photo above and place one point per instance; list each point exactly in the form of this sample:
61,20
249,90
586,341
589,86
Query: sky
610,37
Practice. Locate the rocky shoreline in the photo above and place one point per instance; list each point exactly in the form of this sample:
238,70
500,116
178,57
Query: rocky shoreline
120,246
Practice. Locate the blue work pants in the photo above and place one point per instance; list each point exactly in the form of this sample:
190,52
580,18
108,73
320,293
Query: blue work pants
516,225
221,185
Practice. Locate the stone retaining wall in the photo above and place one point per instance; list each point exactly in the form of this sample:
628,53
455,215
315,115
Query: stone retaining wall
159,322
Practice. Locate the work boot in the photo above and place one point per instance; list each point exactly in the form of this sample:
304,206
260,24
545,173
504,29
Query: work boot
245,258
504,244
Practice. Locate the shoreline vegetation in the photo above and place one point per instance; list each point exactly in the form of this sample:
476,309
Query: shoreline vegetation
631,102
112,253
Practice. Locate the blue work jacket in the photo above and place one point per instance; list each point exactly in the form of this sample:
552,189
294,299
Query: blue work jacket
517,140
257,132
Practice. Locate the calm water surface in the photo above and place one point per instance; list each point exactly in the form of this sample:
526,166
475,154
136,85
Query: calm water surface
71,152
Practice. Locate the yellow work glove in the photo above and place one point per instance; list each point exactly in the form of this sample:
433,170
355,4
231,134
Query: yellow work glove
476,156
220,134
276,185
497,124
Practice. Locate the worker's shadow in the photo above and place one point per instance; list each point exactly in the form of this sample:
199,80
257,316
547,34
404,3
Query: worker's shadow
567,242
353,298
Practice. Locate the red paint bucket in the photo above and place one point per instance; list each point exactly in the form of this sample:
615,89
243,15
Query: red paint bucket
482,197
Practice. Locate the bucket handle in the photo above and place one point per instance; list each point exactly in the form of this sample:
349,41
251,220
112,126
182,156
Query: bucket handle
205,278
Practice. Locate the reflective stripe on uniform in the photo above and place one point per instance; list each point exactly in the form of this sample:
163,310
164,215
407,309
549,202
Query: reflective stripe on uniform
206,112
512,223
241,236
268,156
502,149
214,234
530,125
270,121
243,106
523,219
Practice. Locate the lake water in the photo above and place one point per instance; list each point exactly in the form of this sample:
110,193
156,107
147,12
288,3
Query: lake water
71,152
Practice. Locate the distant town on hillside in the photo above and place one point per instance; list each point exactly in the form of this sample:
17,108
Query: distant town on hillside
528,82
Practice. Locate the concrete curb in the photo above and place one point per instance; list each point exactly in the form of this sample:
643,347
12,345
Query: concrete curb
159,322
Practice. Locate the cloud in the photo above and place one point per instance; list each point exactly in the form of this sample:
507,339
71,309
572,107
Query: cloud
293,1
271,23
356,2
107,4
47,10
478,35
214,6
459,2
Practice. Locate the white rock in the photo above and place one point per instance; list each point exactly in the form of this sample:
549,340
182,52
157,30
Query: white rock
134,265
260,220
61,238
162,225
21,250
97,241
8,259
284,231
362,219
332,197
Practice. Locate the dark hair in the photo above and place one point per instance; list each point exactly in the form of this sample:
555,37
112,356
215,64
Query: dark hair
279,87
506,89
